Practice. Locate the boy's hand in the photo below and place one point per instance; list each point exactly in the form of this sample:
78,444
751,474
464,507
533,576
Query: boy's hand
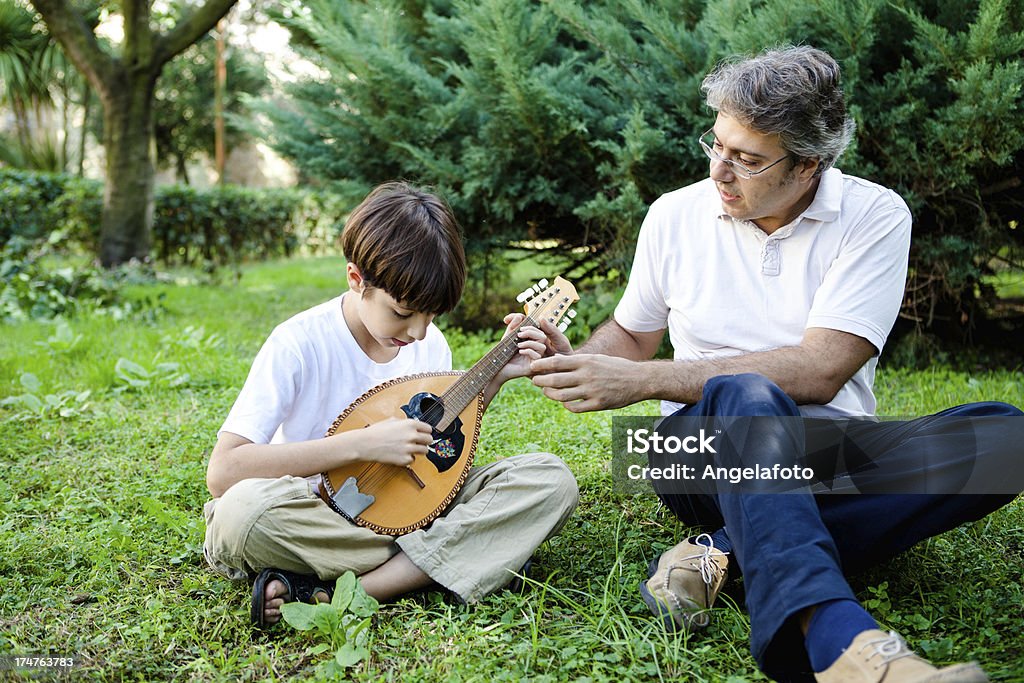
396,441
532,345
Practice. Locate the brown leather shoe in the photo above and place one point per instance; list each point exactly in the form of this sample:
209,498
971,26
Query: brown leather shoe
683,584
878,657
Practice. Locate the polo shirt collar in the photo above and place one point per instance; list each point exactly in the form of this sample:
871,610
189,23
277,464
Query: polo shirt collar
828,199
825,206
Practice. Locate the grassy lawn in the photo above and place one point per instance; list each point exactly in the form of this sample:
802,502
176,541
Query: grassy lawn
101,526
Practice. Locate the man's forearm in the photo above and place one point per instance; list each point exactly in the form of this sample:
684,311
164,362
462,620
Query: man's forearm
793,369
613,371
797,370
611,339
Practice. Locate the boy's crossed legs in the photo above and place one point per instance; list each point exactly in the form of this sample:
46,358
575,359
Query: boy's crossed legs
503,512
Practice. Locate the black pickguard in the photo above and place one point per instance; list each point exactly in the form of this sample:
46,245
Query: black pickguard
448,444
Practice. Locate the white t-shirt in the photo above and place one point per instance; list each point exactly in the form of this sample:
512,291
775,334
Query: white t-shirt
310,370
723,287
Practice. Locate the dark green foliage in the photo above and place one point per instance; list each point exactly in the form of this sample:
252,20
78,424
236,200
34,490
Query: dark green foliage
212,227
942,121
482,100
29,202
566,119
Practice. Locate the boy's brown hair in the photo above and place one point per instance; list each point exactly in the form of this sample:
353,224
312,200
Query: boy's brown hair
406,242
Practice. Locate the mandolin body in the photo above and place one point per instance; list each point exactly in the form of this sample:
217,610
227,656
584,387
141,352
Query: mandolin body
395,500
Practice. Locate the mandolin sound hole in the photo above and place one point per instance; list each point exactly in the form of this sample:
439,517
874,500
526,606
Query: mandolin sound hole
447,446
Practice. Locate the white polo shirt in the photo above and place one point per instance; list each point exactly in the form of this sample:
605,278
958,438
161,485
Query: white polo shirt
723,287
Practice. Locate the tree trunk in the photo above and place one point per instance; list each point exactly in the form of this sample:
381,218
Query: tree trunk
182,169
125,83
65,123
125,229
23,126
86,107
219,86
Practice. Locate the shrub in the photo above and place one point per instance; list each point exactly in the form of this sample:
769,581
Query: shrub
30,290
227,224
36,204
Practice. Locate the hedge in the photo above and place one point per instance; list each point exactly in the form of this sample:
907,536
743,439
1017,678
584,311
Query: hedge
191,226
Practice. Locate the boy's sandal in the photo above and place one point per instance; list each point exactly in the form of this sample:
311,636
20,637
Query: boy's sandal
300,587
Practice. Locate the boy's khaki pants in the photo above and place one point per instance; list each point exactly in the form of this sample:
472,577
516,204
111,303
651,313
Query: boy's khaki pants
503,512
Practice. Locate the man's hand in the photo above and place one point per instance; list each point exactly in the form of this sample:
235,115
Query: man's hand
532,344
584,382
556,342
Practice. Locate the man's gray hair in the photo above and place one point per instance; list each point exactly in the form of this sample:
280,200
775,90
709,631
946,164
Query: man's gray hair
793,92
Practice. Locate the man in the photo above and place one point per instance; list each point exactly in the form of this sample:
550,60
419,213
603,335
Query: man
778,280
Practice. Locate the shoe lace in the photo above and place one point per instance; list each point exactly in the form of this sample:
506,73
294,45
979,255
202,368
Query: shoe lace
709,572
889,648
706,565
709,569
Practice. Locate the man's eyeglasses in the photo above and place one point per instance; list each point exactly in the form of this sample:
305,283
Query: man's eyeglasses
708,139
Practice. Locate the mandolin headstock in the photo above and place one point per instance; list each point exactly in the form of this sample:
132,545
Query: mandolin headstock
553,303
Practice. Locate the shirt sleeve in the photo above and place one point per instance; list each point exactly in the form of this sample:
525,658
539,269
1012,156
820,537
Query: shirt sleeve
269,392
643,307
863,289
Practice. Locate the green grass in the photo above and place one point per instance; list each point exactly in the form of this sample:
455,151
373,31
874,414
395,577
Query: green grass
101,526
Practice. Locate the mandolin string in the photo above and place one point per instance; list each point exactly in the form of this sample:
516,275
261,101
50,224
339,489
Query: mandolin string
383,474
379,474
463,390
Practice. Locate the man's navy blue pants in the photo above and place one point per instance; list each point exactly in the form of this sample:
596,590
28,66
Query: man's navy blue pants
793,548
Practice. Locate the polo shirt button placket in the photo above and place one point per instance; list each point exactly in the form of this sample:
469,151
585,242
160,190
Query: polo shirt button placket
770,257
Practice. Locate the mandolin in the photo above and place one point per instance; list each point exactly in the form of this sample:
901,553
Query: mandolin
394,500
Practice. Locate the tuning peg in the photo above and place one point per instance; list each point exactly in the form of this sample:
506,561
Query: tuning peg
571,313
563,326
529,292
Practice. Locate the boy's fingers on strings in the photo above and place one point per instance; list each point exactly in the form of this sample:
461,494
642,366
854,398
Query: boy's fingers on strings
533,333
512,321
531,349
533,338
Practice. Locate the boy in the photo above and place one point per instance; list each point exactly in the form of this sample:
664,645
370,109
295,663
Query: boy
405,265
